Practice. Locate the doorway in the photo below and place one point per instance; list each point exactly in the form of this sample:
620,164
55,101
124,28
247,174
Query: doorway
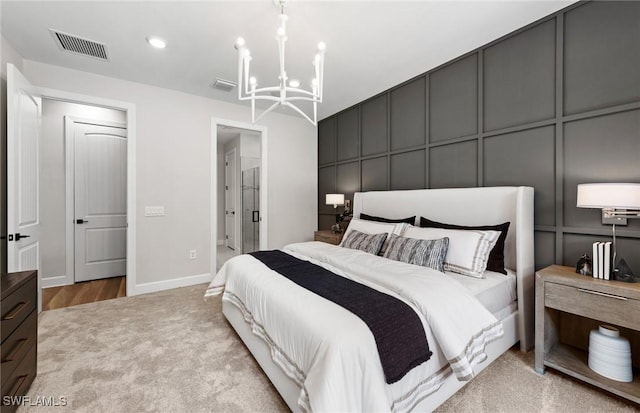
97,174
238,223
17,86
84,176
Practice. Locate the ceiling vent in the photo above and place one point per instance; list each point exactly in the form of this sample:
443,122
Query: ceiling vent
80,46
224,85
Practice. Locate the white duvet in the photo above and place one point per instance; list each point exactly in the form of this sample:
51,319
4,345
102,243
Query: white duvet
330,353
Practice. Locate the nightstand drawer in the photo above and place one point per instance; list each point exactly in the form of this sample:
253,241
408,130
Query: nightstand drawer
17,306
329,237
593,304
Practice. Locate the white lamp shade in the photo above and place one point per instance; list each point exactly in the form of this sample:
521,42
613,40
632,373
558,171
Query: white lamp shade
609,195
334,199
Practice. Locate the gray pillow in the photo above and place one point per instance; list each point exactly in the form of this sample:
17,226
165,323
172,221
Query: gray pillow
371,243
427,253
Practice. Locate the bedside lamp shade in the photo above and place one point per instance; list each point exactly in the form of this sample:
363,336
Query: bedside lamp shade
609,195
334,199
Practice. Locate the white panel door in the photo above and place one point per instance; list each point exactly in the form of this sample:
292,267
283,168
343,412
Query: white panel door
100,201
230,198
23,134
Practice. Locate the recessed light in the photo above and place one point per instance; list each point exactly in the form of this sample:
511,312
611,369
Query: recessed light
156,42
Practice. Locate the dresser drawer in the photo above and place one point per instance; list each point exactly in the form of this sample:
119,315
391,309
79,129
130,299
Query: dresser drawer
19,382
593,304
17,306
15,347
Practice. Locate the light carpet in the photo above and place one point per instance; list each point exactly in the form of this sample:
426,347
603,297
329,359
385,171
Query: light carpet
174,352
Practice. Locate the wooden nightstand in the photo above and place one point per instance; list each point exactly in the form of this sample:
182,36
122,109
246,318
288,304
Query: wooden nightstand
568,306
328,236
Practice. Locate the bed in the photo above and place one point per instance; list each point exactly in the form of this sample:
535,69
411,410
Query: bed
319,359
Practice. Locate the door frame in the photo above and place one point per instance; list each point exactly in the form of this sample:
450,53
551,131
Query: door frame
213,184
69,168
130,110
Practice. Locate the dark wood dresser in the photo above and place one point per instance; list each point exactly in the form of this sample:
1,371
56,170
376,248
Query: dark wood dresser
19,331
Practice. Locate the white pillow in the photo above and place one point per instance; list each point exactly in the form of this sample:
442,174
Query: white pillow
468,251
373,227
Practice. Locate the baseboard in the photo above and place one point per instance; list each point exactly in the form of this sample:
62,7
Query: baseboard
57,281
155,286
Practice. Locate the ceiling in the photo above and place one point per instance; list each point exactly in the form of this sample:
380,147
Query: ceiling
371,45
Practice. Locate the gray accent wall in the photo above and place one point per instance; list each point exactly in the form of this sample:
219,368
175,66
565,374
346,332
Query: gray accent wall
552,105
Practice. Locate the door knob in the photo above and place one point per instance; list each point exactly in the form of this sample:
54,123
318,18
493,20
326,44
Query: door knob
19,236
80,221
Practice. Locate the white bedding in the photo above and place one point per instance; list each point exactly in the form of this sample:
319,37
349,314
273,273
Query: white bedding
330,353
496,291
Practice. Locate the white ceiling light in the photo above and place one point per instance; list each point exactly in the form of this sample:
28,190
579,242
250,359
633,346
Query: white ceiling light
287,94
156,42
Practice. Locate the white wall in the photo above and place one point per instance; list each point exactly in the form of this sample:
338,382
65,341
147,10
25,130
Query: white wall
7,55
52,181
173,169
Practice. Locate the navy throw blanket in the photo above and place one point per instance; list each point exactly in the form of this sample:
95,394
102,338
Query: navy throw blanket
397,329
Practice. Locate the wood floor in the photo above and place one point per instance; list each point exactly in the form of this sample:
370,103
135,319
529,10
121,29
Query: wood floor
83,292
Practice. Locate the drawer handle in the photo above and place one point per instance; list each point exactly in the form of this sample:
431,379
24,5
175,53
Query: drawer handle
14,311
16,350
617,297
16,387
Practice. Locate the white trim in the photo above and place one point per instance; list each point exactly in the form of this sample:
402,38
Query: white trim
155,286
130,109
264,236
55,281
69,170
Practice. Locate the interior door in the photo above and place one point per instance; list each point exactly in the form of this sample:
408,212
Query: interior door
100,201
24,108
230,198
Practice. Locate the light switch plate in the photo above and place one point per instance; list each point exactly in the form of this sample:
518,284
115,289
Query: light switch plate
154,211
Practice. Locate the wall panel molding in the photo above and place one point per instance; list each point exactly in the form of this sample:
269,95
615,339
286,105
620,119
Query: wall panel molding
551,105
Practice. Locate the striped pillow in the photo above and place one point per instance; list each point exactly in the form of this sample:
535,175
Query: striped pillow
371,243
427,253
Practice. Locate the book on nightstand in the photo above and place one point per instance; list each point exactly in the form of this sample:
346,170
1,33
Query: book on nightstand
601,260
596,261
607,260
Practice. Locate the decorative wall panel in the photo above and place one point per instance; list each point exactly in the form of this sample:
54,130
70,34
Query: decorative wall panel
374,126
454,165
601,56
453,100
519,78
552,105
408,115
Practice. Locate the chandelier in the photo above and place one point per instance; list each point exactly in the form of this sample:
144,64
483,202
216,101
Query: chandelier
285,94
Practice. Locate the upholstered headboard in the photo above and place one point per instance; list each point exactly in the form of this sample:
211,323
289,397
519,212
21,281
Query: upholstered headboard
472,206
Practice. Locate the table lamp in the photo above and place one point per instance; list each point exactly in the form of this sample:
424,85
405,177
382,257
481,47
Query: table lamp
618,201
335,200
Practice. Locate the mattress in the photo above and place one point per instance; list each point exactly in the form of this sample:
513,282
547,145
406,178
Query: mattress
496,292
